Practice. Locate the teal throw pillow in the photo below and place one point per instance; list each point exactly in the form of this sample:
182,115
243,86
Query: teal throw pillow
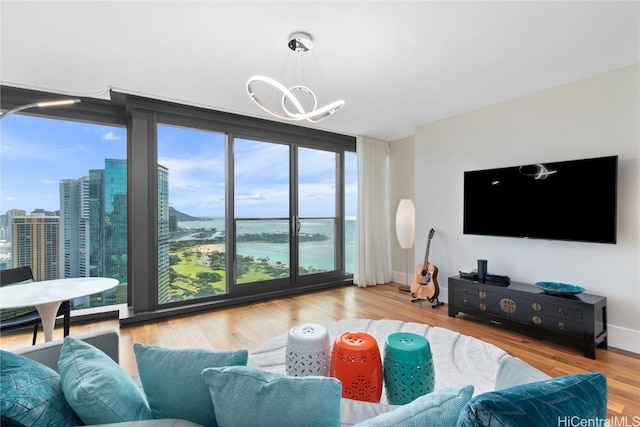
97,388
31,394
544,403
172,380
439,408
244,396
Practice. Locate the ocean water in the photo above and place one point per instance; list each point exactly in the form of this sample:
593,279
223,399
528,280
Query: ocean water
316,254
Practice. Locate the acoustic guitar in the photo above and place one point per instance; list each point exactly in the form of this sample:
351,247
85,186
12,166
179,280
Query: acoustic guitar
425,284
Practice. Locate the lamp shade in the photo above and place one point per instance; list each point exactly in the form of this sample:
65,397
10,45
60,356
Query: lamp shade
406,223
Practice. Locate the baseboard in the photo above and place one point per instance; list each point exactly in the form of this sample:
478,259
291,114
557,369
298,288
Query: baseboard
401,278
623,338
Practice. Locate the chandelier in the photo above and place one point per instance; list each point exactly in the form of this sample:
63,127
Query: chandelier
298,102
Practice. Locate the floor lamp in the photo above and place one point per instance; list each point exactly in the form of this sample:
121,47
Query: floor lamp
406,233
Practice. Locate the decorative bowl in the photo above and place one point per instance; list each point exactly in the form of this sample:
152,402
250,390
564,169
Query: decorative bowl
558,288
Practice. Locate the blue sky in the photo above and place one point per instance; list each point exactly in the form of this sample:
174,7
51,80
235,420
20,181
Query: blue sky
36,153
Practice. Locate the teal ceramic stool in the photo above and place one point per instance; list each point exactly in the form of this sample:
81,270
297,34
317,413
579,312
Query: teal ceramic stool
408,367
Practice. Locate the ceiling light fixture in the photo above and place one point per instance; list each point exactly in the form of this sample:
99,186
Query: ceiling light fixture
298,101
43,104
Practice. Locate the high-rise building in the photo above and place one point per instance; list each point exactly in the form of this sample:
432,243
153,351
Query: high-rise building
36,243
40,211
94,225
11,214
163,234
115,219
74,227
4,232
93,230
96,222
74,232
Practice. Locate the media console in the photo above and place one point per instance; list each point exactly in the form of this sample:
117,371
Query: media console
579,320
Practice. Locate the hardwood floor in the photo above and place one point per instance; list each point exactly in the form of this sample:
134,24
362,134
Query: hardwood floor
248,325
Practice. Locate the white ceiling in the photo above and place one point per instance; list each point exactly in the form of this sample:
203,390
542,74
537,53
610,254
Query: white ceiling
397,64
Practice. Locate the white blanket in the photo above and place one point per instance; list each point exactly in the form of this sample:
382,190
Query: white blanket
458,359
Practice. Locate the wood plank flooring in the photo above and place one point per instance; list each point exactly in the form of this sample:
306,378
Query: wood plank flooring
248,325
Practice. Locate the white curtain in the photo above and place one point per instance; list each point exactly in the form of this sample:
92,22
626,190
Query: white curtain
373,245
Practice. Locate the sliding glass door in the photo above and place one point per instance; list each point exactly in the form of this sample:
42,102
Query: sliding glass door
262,234
240,216
286,207
316,231
191,214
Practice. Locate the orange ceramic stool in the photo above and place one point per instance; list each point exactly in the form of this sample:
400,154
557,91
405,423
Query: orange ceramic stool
356,362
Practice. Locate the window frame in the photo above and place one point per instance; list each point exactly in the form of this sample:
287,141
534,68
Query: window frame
141,116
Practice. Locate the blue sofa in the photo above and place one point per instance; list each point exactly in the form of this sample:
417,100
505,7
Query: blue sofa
523,395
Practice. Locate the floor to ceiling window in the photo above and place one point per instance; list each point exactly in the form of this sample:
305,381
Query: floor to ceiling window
262,211
238,215
318,211
191,214
186,207
64,201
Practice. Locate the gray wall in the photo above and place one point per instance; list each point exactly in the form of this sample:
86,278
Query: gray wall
401,179
593,117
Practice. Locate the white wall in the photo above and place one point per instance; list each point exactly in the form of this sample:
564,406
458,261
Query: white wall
401,179
597,116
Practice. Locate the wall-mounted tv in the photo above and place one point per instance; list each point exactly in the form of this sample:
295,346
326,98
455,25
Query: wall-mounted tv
569,200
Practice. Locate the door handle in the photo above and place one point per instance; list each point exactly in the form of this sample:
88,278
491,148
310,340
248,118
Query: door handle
295,225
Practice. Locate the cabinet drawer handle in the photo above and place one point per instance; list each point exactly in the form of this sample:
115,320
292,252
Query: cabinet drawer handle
561,325
508,305
495,322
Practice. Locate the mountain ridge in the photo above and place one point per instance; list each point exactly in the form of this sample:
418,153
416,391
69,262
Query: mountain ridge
181,216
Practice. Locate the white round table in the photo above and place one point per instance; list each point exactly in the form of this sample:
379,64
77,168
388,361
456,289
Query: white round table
47,295
458,359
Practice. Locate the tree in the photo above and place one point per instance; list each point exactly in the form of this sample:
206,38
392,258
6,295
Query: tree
207,277
216,260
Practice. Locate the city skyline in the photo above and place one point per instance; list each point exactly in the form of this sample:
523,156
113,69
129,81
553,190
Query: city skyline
36,154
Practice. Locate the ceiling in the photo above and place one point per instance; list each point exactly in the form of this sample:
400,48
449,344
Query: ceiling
397,64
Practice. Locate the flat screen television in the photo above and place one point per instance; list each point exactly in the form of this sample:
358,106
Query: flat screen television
569,200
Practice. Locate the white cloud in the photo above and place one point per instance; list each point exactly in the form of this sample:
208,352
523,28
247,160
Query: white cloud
110,136
241,198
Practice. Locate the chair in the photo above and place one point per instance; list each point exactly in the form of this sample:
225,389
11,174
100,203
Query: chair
21,317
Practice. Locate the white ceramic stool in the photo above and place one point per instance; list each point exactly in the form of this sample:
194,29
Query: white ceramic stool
308,350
